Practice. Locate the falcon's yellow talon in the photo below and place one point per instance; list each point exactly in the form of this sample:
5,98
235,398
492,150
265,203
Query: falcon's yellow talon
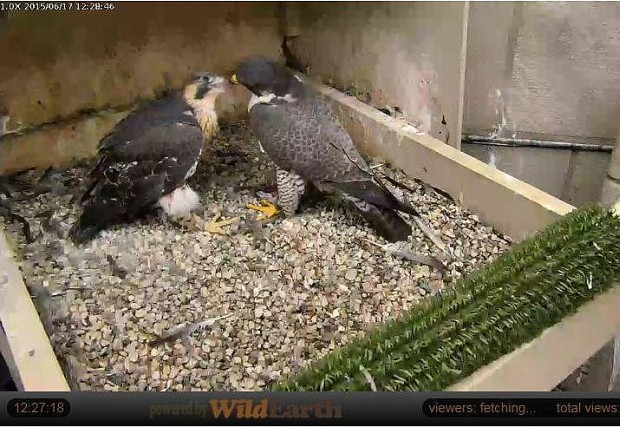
266,207
215,226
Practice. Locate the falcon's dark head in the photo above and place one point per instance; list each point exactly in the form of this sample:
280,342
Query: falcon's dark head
204,83
264,76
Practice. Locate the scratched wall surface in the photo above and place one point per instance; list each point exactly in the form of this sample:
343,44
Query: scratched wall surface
546,69
391,53
55,65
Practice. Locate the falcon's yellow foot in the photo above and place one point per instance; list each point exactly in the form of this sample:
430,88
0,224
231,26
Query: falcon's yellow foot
215,226
267,208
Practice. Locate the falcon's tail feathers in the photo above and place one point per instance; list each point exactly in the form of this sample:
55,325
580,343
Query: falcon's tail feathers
386,222
88,192
95,217
375,192
82,233
399,204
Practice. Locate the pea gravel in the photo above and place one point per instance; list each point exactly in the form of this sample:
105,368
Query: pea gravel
135,309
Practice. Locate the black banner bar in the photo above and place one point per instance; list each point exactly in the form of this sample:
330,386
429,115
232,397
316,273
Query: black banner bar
368,408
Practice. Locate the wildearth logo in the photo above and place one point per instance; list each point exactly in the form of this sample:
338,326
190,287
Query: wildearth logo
265,408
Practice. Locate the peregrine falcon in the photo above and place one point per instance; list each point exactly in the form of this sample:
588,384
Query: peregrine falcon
303,137
145,161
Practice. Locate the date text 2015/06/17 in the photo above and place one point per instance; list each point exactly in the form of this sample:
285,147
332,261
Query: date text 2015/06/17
51,6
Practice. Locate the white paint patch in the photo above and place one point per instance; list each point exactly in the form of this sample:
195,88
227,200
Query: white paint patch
298,79
4,121
410,128
500,113
492,158
180,202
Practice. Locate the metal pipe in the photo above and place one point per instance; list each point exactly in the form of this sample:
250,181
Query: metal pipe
519,142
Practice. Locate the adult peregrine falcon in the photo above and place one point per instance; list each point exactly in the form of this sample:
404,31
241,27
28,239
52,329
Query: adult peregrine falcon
145,161
303,137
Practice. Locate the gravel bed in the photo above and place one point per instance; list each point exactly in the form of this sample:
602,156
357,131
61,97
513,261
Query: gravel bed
292,290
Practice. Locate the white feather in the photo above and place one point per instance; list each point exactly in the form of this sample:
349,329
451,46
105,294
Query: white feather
180,202
288,98
192,170
260,146
267,98
263,99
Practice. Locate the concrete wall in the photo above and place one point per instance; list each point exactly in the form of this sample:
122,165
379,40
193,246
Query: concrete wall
573,176
533,70
545,70
550,69
57,68
610,192
406,55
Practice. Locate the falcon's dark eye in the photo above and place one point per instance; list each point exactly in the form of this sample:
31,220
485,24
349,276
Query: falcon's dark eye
204,78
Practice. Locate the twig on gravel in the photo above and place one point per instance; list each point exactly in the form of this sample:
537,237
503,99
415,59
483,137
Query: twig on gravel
64,292
184,330
405,253
423,227
419,182
431,235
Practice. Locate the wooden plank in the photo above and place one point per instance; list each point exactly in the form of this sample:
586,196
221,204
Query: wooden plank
544,362
515,208
23,341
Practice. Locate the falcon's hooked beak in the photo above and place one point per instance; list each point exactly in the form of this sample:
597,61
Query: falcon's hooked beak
233,79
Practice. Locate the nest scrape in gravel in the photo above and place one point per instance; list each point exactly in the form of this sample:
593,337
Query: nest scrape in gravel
292,290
